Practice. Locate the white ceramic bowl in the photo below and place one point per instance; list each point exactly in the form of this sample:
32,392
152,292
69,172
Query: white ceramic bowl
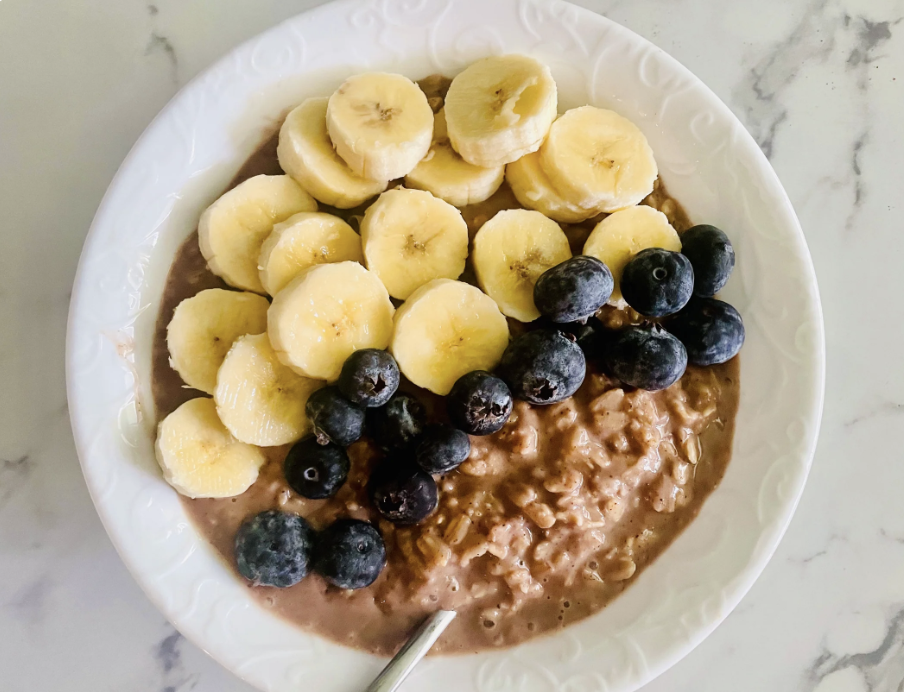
707,159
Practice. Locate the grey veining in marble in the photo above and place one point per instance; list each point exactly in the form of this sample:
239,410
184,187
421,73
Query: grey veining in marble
880,668
820,84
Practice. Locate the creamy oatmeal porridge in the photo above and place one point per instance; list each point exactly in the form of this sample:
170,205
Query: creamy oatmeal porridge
545,522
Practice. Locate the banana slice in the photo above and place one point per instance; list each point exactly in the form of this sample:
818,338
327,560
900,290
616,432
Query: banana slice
233,228
446,329
259,399
203,328
620,236
327,313
200,458
410,237
448,176
534,190
511,250
302,241
500,108
380,124
597,159
306,153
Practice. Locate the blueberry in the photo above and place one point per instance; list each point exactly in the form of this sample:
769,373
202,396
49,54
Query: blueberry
479,403
369,377
591,336
441,448
543,366
403,492
274,549
657,282
573,290
335,418
350,554
646,357
711,331
314,470
398,423
712,256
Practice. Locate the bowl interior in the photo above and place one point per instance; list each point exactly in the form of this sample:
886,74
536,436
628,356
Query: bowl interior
709,163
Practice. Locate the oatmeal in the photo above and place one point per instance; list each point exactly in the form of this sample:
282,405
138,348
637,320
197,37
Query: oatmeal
546,521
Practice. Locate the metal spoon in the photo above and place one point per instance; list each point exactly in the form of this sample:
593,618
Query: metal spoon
411,652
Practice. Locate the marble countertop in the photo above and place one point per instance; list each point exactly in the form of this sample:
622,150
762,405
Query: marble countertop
819,83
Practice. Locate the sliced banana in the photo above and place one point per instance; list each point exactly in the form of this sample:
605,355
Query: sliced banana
596,158
301,241
448,176
259,399
233,228
620,236
327,313
446,329
511,250
534,190
200,458
411,237
500,108
203,328
380,124
306,153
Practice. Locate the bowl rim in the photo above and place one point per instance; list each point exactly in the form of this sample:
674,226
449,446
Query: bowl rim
752,571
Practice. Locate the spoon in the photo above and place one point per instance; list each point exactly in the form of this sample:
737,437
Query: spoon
411,652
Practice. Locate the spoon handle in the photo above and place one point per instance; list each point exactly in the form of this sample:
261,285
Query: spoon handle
411,652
